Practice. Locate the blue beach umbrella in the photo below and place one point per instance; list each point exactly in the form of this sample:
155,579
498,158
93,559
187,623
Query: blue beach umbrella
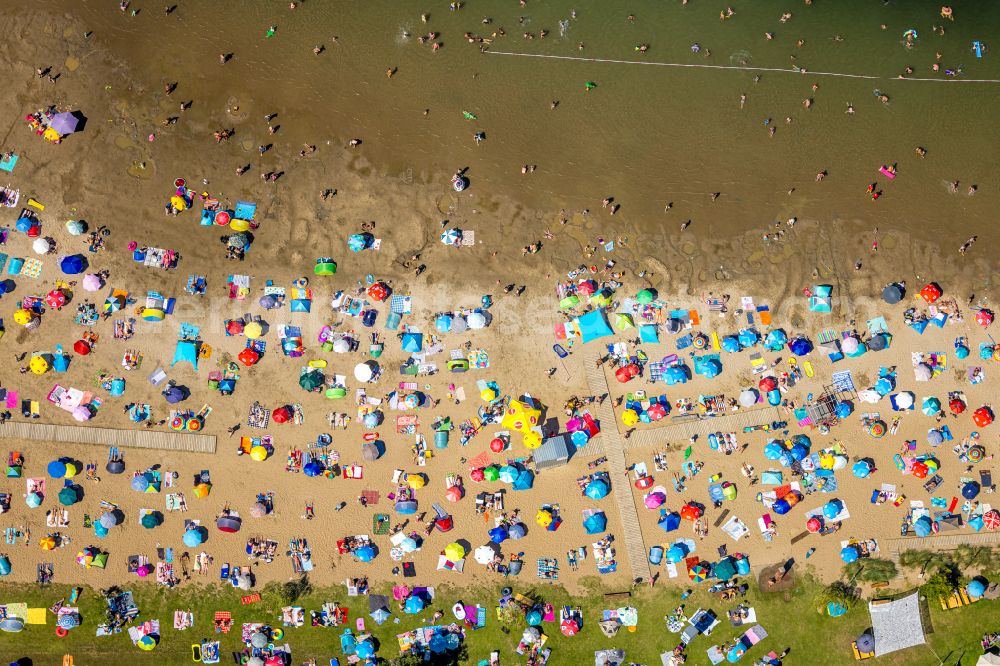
849,554
365,553
776,339
596,489
730,344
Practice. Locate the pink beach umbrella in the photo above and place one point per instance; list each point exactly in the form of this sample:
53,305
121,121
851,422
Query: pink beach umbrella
92,282
654,500
400,592
574,424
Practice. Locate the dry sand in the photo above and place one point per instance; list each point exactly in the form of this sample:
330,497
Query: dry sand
96,175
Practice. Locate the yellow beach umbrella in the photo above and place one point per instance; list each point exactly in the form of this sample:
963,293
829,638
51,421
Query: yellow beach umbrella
454,551
488,394
22,316
38,365
47,543
253,330
629,418
543,518
258,453
51,135
416,481
178,202
532,440
71,470
202,490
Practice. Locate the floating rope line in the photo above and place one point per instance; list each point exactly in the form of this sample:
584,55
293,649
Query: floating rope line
744,68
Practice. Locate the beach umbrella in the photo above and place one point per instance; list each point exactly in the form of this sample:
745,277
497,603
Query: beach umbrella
365,554
983,317
248,357
654,500
849,554
982,417
253,330
379,615
33,500
904,400
192,538
115,466
991,520
800,346
814,525
508,473
443,323
369,451
931,406
56,469
595,523
476,320
108,520
731,344
229,524
41,246
850,345
258,510
931,292
82,347
47,543
149,520
255,661
486,554
477,475
357,242
698,573
451,237
676,553
259,640
268,301
453,494
365,650
416,481
414,605
68,496
773,450
961,352
922,372
139,483
832,509
38,365
498,534
878,342
92,282
73,264
748,397
970,490
454,552
861,469
596,489
724,569
533,618
258,453
234,327
885,385
491,473
364,372
645,296
408,545
378,291
238,241
310,381
892,293
459,325
543,518
843,409
202,490
55,298
776,339
922,526
75,227
65,123
975,588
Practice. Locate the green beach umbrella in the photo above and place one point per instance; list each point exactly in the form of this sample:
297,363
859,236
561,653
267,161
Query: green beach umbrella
68,496
491,473
644,296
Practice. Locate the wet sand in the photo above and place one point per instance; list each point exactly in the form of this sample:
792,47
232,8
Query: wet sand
111,174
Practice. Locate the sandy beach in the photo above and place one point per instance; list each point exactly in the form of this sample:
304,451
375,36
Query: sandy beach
702,205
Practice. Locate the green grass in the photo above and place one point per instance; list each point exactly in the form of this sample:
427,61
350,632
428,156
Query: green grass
789,618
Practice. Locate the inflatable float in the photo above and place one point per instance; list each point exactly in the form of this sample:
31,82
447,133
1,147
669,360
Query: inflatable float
889,172
458,610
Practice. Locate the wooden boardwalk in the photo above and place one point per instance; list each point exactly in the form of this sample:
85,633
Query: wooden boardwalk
137,439
612,446
892,548
682,430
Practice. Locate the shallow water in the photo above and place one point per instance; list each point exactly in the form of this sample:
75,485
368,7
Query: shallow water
647,135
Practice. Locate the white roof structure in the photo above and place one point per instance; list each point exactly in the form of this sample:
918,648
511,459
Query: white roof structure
896,624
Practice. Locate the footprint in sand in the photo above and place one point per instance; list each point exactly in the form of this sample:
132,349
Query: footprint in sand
72,64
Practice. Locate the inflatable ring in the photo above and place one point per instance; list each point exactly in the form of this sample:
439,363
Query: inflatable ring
61,632
180,182
824,429
996,353
277,633
244,658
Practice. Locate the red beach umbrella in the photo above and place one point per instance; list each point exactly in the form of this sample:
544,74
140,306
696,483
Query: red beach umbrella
81,347
982,417
234,327
984,318
956,406
55,298
248,357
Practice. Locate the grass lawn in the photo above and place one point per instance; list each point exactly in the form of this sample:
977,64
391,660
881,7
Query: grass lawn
789,618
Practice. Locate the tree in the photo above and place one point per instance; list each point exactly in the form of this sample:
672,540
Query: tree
295,589
838,593
940,585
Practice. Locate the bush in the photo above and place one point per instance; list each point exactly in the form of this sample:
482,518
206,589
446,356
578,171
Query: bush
838,593
871,570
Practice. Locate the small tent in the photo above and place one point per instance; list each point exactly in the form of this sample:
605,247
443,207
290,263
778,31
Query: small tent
593,325
187,350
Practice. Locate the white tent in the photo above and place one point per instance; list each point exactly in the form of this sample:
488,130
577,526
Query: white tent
896,624
989,659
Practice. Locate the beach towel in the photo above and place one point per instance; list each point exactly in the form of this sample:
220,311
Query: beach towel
735,528
9,163
32,268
